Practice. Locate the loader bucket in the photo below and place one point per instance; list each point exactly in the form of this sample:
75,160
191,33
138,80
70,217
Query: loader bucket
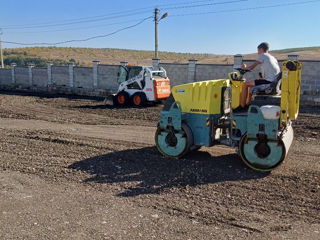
109,100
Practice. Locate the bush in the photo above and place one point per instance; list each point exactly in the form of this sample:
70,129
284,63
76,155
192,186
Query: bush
22,61
14,59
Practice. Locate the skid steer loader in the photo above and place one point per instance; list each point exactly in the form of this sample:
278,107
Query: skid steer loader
139,85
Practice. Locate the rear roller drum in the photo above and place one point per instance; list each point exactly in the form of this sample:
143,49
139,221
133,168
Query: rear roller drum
265,156
174,144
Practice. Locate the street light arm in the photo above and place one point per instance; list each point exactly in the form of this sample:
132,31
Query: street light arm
164,16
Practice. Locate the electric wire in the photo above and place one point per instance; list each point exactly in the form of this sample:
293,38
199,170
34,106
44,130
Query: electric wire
176,15
206,4
76,22
77,28
247,9
110,17
80,40
108,14
77,19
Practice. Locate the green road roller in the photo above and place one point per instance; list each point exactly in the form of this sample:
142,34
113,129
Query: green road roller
201,114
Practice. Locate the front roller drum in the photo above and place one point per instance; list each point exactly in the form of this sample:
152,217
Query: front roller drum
265,156
174,144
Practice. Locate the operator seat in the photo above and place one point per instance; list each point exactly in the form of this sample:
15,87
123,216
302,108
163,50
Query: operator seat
267,93
273,88
270,93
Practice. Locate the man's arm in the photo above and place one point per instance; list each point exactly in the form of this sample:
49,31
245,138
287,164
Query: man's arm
253,66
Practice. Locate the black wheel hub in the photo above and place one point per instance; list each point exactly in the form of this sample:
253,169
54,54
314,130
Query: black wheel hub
262,149
171,140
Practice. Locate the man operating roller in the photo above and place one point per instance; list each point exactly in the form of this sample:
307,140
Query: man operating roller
270,68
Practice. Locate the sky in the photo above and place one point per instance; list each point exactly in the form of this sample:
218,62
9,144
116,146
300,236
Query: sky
199,26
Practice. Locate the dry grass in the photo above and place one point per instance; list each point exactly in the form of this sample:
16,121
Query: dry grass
85,56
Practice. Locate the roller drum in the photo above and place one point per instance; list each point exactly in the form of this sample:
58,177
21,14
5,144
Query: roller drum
266,155
287,137
174,144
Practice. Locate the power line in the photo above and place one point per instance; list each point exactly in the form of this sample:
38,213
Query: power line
206,4
183,3
176,15
76,22
80,40
75,19
118,15
247,9
79,28
15,26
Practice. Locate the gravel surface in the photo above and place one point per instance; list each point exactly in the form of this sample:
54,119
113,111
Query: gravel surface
72,168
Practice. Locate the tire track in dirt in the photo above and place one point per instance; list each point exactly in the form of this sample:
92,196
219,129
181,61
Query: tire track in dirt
210,190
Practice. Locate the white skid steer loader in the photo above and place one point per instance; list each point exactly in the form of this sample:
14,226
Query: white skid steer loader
139,85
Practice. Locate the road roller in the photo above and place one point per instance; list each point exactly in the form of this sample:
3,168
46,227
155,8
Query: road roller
201,114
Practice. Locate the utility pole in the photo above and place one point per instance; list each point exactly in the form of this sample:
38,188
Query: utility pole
1,53
156,22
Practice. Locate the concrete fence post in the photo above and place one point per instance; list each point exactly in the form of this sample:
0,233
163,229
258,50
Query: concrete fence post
192,70
123,63
155,62
13,73
95,74
30,66
293,57
50,80
238,60
71,75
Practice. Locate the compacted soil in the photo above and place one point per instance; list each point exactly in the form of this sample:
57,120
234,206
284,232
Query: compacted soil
72,168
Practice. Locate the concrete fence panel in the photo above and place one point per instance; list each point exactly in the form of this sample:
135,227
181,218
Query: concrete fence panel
107,77
5,76
254,74
210,71
310,76
83,77
22,76
177,73
40,77
60,75
103,78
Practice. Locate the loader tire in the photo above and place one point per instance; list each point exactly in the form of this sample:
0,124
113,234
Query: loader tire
138,99
122,99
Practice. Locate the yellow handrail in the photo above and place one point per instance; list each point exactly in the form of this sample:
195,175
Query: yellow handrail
290,91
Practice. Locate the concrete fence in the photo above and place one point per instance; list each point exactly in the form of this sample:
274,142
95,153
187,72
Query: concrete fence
100,80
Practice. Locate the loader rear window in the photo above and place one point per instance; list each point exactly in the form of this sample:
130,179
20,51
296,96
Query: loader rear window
134,71
158,75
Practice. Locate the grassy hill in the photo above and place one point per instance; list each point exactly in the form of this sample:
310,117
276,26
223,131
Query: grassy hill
84,56
308,53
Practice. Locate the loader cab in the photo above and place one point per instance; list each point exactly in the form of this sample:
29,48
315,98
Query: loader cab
122,74
134,71
128,72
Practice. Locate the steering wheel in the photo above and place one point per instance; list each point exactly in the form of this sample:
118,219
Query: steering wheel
242,71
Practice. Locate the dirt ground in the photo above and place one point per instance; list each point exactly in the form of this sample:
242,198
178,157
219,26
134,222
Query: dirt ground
71,168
